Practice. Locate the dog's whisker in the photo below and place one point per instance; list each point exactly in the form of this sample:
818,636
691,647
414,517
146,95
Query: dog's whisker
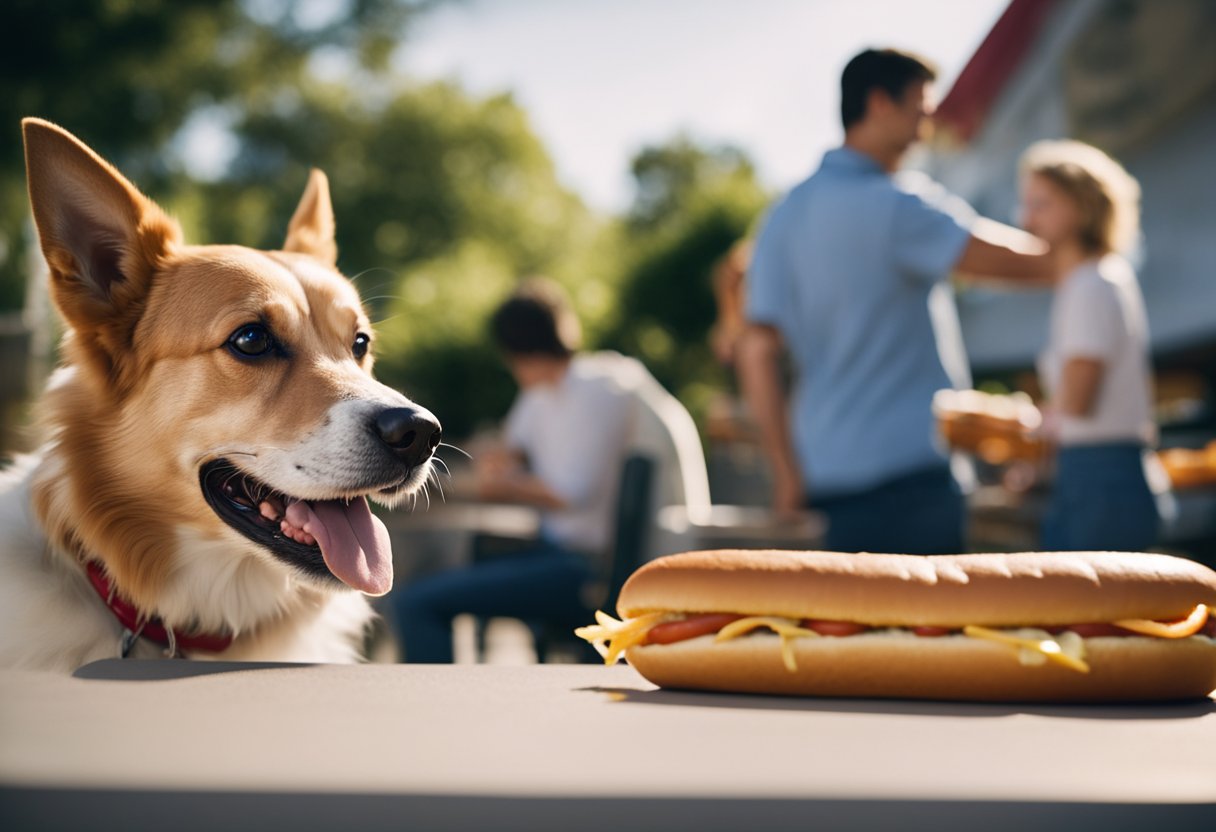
382,297
354,278
460,451
439,484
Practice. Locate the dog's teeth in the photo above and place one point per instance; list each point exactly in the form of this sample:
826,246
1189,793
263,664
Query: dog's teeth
268,511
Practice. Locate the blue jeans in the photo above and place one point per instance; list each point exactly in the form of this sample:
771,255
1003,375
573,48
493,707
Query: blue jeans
922,513
1101,501
545,582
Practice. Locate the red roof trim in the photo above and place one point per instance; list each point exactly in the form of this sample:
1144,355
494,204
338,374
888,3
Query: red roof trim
984,77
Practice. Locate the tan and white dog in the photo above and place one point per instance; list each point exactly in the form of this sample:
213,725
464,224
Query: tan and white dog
212,438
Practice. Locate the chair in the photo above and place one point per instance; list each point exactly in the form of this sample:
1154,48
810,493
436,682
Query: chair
633,521
631,525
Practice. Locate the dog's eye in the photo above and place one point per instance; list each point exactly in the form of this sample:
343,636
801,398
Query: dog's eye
359,348
251,340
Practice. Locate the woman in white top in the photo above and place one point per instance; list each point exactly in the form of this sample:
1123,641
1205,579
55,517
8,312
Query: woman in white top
1095,368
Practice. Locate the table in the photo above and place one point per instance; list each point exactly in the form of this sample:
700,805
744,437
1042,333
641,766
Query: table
190,745
440,536
723,526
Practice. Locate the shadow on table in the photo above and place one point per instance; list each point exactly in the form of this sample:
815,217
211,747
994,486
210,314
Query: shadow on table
143,670
1188,709
156,670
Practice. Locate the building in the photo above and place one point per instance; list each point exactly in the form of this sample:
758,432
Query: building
1134,77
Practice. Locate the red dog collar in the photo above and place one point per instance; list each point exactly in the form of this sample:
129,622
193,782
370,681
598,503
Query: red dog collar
152,628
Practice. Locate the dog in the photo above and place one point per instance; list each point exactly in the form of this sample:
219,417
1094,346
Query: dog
212,438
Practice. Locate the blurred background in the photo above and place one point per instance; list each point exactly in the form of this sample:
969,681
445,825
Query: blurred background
618,147
622,148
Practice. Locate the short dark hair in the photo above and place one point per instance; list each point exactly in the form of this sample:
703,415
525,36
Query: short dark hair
537,319
889,70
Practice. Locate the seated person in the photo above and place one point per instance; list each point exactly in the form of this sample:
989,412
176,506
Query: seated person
576,419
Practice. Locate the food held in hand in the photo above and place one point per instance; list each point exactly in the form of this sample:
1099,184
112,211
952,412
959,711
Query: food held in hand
1190,468
997,429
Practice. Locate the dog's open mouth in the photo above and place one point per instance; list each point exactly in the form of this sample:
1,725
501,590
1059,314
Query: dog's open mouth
334,539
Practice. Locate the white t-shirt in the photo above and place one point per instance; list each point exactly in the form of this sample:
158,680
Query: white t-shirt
578,433
1098,312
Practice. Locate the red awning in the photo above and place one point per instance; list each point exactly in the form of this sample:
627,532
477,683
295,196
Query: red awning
964,108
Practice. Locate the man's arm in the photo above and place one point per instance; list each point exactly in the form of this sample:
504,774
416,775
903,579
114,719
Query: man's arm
501,477
999,251
759,356
520,487
728,286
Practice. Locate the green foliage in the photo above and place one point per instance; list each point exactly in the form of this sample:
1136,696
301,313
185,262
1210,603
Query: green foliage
124,75
443,200
692,205
672,178
410,179
434,345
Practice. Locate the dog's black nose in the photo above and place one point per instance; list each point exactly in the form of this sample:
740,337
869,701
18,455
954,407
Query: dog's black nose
412,435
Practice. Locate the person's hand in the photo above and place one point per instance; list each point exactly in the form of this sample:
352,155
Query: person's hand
1059,267
723,340
1049,427
493,489
494,469
1048,436
496,463
789,493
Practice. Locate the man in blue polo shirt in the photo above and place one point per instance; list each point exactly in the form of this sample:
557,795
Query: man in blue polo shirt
849,276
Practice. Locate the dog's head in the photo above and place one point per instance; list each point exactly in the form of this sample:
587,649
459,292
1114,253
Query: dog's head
213,394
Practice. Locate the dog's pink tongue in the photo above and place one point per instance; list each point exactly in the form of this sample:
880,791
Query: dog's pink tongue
353,541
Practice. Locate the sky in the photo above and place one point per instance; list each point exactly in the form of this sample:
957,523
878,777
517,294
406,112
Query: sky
600,79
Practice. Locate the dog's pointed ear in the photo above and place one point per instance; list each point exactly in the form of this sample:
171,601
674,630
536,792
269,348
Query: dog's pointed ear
103,240
311,230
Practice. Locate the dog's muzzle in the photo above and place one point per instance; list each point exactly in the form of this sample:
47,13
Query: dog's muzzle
332,536
412,435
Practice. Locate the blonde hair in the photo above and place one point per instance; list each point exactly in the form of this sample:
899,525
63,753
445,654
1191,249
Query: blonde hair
1106,195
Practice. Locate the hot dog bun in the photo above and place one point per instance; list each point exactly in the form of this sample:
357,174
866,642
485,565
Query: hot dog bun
998,590
896,591
884,665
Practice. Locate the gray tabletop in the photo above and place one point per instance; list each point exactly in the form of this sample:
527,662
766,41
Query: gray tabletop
191,745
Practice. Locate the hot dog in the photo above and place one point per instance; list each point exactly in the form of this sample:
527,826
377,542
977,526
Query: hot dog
1033,627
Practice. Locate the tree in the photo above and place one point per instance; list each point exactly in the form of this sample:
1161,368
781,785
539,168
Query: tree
692,204
126,76
411,178
443,201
